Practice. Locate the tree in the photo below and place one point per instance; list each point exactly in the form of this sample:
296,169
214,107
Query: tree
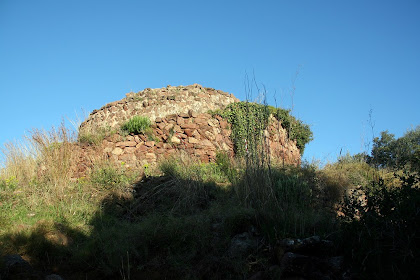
404,152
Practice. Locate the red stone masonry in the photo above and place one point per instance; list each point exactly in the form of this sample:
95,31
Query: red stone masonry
196,133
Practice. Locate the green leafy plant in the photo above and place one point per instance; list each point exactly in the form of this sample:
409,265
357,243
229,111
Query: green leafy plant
136,125
248,122
250,119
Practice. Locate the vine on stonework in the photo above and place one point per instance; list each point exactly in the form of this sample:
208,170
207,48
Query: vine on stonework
249,120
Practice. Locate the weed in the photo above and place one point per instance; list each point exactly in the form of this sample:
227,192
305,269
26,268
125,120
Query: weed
96,136
136,125
107,177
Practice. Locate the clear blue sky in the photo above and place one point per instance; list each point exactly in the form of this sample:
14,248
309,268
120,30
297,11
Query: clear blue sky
58,57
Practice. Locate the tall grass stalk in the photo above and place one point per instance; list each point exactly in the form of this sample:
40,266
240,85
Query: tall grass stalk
18,162
55,153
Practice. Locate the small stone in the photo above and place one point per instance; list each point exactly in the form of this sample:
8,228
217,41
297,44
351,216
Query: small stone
223,124
206,143
53,277
127,157
149,143
161,125
180,121
117,151
188,132
175,140
213,122
189,126
193,140
192,114
150,157
225,147
126,144
129,150
209,135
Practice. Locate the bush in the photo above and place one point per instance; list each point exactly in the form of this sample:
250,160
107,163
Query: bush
137,125
404,152
382,223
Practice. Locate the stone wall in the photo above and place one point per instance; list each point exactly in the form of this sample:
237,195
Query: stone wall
180,122
199,135
156,103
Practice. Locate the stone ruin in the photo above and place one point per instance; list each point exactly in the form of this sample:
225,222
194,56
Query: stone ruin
180,122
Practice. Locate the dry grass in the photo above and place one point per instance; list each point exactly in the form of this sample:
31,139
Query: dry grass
56,155
18,162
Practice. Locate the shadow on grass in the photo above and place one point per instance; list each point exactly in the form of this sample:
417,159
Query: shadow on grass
168,229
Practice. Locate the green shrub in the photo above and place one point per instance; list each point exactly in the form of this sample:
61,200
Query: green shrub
136,125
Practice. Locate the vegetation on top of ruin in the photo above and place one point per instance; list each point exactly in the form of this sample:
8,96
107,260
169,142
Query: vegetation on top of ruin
249,119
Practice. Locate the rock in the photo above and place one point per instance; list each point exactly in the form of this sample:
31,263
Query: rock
53,277
175,140
192,114
242,244
17,268
209,135
129,150
309,258
180,121
150,157
189,126
188,132
193,140
223,124
117,151
213,122
206,143
161,125
127,157
257,276
184,115
149,143
126,144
